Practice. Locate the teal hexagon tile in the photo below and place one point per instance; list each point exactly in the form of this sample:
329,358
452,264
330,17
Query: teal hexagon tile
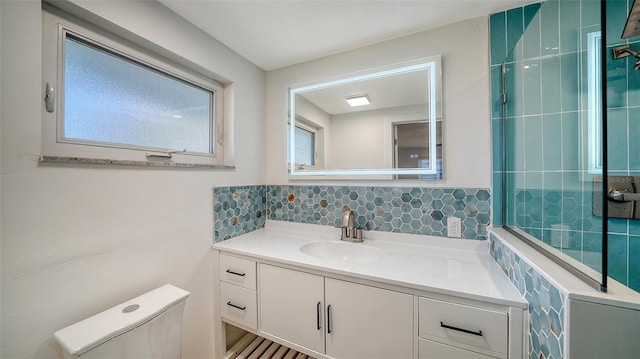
392,209
546,302
238,210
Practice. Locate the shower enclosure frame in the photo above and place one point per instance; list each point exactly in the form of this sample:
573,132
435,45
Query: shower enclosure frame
601,284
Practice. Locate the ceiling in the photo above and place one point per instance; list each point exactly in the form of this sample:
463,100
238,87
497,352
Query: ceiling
399,90
274,34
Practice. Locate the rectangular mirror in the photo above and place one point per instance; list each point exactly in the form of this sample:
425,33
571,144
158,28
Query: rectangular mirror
380,124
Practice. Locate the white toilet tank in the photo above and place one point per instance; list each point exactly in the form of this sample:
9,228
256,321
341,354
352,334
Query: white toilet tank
148,326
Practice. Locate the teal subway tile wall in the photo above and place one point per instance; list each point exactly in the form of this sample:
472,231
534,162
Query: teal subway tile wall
238,210
543,192
547,171
623,101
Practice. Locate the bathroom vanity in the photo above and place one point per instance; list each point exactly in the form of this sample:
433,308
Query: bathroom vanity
392,296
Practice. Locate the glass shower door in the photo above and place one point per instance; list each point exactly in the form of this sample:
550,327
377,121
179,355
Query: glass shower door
551,128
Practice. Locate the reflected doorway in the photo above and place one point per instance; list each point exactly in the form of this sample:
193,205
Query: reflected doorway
411,147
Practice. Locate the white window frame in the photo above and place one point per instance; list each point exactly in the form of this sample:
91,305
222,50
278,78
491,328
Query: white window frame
300,123
55,25
594,104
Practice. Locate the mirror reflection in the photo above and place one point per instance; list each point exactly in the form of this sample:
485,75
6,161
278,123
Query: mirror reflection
384,124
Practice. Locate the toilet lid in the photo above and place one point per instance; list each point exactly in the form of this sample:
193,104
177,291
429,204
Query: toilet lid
91,332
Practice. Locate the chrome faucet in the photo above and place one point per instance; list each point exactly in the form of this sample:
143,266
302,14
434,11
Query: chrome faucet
349,231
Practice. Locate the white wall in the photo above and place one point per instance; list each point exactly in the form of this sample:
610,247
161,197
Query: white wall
465,64
358,136
362,140
79,239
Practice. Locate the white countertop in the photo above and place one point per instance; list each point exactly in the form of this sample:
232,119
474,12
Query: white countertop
461,268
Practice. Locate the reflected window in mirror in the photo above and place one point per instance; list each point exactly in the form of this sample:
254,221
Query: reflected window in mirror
368,139
305,145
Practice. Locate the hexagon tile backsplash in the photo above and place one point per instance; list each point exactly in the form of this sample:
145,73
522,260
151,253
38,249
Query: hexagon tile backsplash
414,210
547,303
238,210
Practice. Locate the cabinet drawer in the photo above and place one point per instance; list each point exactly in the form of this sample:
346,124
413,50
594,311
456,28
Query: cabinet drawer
239,305
238,271
428,349
472,327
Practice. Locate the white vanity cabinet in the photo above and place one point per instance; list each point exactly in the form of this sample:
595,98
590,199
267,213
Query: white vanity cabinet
368,322
338,318
453,330
238,298
292,306
444,300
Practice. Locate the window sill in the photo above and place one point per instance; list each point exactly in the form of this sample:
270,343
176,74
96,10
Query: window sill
107,162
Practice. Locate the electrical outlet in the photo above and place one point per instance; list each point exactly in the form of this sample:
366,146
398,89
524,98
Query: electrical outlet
453,227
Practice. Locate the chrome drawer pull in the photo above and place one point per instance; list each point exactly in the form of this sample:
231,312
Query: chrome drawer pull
235,273
318,316
478,333
236,306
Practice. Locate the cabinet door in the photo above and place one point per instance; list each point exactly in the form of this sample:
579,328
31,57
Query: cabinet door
432,350
291,306
367,322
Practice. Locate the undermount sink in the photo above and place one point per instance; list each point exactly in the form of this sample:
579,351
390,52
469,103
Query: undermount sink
338,250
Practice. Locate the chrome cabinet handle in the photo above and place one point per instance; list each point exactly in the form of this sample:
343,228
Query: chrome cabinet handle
478,333
235,273
236,306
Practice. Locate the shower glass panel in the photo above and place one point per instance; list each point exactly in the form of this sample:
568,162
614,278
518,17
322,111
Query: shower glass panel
552,131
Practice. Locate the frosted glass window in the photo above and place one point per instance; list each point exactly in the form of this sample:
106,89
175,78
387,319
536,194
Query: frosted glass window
117,102
305,146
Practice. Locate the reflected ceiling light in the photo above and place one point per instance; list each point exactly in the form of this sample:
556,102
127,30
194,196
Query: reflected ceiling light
360,100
